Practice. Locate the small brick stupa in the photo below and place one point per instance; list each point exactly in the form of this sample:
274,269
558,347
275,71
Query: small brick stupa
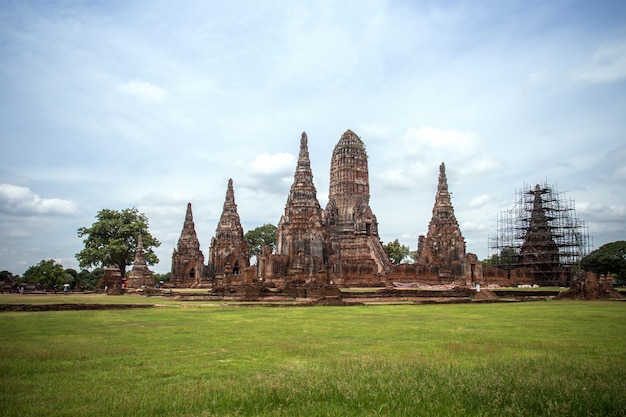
140,276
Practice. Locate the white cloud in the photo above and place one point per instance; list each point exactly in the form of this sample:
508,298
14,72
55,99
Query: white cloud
280,163
602,212
472,227
538,77
479,201
17,233
607,65
397,179
431,138
21,201
143,91
476,166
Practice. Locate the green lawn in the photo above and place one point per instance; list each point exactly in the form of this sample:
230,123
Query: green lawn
185,359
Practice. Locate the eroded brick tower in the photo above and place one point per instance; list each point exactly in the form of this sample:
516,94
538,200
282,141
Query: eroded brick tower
187,259
302,232
540,252
358,254
443,248
229,253
140,275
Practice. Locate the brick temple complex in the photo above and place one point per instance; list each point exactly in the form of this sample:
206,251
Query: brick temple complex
339,245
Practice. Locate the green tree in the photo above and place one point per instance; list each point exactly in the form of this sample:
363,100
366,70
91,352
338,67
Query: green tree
397,252
261,236
112,239
88,280
507,259
609,258
48,273
162,277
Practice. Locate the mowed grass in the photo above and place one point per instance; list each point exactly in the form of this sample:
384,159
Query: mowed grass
514,359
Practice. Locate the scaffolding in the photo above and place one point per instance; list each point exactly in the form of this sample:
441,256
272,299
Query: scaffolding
541,233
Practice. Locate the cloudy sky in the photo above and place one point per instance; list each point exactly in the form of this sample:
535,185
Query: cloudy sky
153,104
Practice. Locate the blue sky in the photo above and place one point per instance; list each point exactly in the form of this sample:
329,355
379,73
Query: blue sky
153,104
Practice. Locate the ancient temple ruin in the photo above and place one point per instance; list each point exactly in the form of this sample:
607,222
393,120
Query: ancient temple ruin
541,238
303,236
229,253
357,252
539,250
187,259
340,245
140,276
442,250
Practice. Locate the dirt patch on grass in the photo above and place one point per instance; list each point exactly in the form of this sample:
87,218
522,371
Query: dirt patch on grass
66,307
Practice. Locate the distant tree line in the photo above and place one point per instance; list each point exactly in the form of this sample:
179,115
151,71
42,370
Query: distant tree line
49,275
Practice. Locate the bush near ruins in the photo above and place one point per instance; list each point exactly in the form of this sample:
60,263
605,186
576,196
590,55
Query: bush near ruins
607,259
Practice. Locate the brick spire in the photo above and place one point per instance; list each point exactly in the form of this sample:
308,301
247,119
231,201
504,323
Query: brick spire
229,251
303,190
187,259
444,244
443,206
140,256
302,234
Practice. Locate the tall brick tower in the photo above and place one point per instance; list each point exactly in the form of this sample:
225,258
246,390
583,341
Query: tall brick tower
302,232
229,253
443,248
358,253
187,259
539,251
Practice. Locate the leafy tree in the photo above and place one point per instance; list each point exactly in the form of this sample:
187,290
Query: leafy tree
507,259
112,239
261,236
48,273
609,258
162,277
71,275
88,280
397,252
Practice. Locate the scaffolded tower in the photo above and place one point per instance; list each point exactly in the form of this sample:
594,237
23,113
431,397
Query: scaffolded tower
542,234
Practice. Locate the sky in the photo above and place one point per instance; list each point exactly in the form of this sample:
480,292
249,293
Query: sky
153,104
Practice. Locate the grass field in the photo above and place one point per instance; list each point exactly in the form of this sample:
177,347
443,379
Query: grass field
513,359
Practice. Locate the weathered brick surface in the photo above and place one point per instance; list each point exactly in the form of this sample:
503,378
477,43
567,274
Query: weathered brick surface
187,259
229,253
